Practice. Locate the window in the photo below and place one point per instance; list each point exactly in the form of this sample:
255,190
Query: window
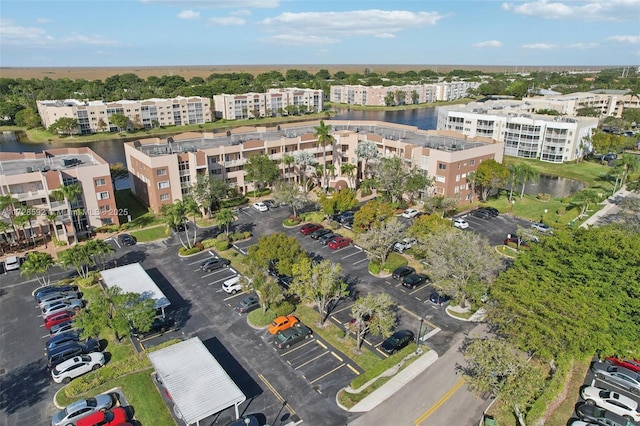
457,178
442,166
101,182
103,195
163,185
107,221
164,197
472,162
161,172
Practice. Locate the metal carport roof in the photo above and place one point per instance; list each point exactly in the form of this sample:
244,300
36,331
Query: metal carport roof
197,383
134,279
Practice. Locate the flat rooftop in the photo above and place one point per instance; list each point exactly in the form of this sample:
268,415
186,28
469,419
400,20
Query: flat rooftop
406,134
29,164
511,108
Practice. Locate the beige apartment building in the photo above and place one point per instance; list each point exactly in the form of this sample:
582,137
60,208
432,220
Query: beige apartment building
163,170
406,94
32,177
274,102
554,139
93,116
607,102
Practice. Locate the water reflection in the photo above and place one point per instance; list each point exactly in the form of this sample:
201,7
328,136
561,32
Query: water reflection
558,187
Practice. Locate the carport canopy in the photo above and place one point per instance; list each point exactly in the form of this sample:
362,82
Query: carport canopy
134,279
195,381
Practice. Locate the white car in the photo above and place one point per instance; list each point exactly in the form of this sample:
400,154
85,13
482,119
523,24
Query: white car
405,244
541,227
54,297
11,263
261,207
410,213
460,223
232,285
612,401
77,366
62,305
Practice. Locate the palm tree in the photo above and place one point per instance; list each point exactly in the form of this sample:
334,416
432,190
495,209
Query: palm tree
527,174
513,179
303,159
471,178
4,227
192,208
323,133
69,193
629,163
287,160
51,218
21,221
7,202
348,170
225,217
99,250
38,264
175,215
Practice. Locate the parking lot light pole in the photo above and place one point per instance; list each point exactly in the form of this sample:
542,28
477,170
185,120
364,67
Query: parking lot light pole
419,335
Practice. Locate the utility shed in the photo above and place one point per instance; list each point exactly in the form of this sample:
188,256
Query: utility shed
195,381
134,279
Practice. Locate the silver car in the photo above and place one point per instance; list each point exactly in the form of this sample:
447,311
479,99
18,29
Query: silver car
62,305
618,376
82,408
54,297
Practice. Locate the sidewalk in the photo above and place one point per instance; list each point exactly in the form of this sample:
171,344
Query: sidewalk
610,208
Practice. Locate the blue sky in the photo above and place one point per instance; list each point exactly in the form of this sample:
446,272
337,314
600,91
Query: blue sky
239,32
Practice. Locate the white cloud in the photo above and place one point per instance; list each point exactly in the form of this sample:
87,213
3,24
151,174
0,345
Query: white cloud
584,10
90,39
625,39
219,4
583,45
296,40
241,12
44,20
188,14
226,21
488,43
17,35
541,46
385,35
370,22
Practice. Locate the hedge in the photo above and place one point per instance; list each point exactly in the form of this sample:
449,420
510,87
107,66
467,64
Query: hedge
394,261
222,245
283,308
554,387
260,193
234,202
208,243
186,252
375,267
383,366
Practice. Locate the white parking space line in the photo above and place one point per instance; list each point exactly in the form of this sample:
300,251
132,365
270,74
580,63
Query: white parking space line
298,347
311,360
360,261
418,289
327,373
340,310
352,254
214,272
217,281
234,296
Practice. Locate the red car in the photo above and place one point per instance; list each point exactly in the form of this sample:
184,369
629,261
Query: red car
631,364
339,242
310,227
116,416
57,318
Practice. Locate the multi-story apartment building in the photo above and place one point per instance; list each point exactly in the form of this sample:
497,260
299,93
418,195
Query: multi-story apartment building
274,102
407,94
93,116
606,102
31,178
525,134
163,171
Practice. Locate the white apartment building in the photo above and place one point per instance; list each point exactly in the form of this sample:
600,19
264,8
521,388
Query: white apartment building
525,134
607,102
93,116
410,93
274,102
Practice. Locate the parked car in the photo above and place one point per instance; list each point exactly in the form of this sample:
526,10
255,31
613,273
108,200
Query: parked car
630,364
261,207
77,366
405,244
319,233
285,281
541,227
54,297
232,285
282,323
158,326
41,292
328,237
62,327
482,213
344,216
338,243
308,228
410,213
612,401
619,376
402,271
62,338
414,280
57,318
117,416
126,240
514,240
248,304
600,416
246,421
272,204
460,223
69,350
61,305
348,223
286,338
82,408
214,264
438,298
11,263
397,341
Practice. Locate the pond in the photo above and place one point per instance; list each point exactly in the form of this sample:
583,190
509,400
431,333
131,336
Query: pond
558,187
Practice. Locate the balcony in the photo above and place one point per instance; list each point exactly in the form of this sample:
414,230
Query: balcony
31,195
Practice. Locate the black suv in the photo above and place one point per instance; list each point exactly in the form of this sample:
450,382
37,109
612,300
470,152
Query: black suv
215,264
402,272
160,325
414,280
482,213
319,233
68,350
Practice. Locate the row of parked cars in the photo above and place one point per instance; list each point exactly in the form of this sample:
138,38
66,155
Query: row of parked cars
411,279
101,410
325,236
605,406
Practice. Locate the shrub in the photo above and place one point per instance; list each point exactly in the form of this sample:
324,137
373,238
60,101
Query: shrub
186,252
543,197
208,243
199,245
561,211
283,308
374,267
234,202
260,319
382,366
222,237
106,229
262,193
246,234
91,280
553,388
394,261
222,245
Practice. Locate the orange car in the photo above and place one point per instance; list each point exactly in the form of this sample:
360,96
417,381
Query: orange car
282,323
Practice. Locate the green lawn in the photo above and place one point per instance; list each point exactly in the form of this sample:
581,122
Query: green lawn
141,217
151,234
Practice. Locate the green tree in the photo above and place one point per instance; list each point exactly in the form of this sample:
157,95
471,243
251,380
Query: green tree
120,120
629,163
266,287
28,118
461,264
341,201
4,227
287,162
427,224
69,193
100,251
175,215
584,199
439,203
8,207
320,284
290,194
378,240
324,136
303,160
372,214
102,125
526,174
391,175
416,182
261,171
490,175
374,313
78,257
348,169
277,248
495,366
38,264
209,191
224,218
64,126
